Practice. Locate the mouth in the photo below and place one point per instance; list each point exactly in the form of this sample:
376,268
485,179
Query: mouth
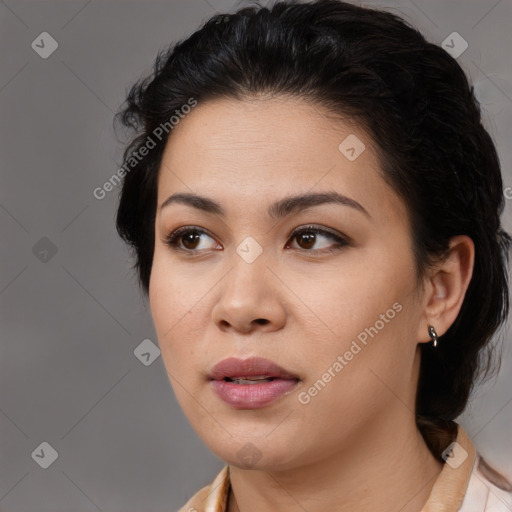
249,371
249,380
251,383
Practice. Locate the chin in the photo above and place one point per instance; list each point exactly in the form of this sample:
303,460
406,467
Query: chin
255,452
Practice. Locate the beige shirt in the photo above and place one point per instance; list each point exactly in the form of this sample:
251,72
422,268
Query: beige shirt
465,484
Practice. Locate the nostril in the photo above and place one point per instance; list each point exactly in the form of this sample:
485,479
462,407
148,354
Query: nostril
261,321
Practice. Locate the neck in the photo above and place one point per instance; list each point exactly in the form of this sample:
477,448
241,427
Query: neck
386,466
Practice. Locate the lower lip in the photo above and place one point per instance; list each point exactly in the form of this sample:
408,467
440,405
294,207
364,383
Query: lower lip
252,396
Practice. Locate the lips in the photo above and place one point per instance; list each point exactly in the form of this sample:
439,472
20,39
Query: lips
251,383
252,369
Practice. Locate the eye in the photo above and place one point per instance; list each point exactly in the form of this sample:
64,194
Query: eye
310,235
190,235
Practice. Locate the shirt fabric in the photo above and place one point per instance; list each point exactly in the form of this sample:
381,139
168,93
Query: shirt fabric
465,484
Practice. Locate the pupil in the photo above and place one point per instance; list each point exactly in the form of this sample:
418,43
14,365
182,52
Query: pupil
310,239
189,238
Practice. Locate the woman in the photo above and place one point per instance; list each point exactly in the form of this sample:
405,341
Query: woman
314,207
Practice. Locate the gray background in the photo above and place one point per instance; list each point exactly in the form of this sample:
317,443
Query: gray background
72,320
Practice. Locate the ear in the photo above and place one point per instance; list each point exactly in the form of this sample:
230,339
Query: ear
445,287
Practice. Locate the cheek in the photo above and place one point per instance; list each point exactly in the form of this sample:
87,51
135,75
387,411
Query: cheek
180,315
365,315
175,294
173,325
348,299
170,311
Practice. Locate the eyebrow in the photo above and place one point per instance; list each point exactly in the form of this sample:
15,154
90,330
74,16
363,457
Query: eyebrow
279,209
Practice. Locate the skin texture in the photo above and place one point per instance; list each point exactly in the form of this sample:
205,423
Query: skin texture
355,445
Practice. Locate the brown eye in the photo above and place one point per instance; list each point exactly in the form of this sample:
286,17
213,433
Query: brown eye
187,239
308,236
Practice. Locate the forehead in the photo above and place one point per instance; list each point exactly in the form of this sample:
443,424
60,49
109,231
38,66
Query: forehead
282,128
259,150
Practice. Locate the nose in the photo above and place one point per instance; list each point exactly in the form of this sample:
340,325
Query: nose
250,297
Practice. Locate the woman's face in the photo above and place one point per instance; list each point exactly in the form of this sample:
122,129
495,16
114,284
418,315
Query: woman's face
326,290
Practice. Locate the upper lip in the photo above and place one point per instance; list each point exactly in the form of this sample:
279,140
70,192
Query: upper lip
233,367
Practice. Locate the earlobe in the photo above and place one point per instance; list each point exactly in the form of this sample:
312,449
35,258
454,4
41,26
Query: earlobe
448,285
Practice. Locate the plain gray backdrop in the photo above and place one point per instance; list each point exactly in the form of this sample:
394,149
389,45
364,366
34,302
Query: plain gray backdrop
72,315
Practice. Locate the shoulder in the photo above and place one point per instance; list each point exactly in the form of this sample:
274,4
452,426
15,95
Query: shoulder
487,491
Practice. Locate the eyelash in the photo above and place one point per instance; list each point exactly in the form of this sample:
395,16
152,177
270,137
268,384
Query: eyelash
173,238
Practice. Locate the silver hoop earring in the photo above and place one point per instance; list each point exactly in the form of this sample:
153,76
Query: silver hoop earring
433,335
